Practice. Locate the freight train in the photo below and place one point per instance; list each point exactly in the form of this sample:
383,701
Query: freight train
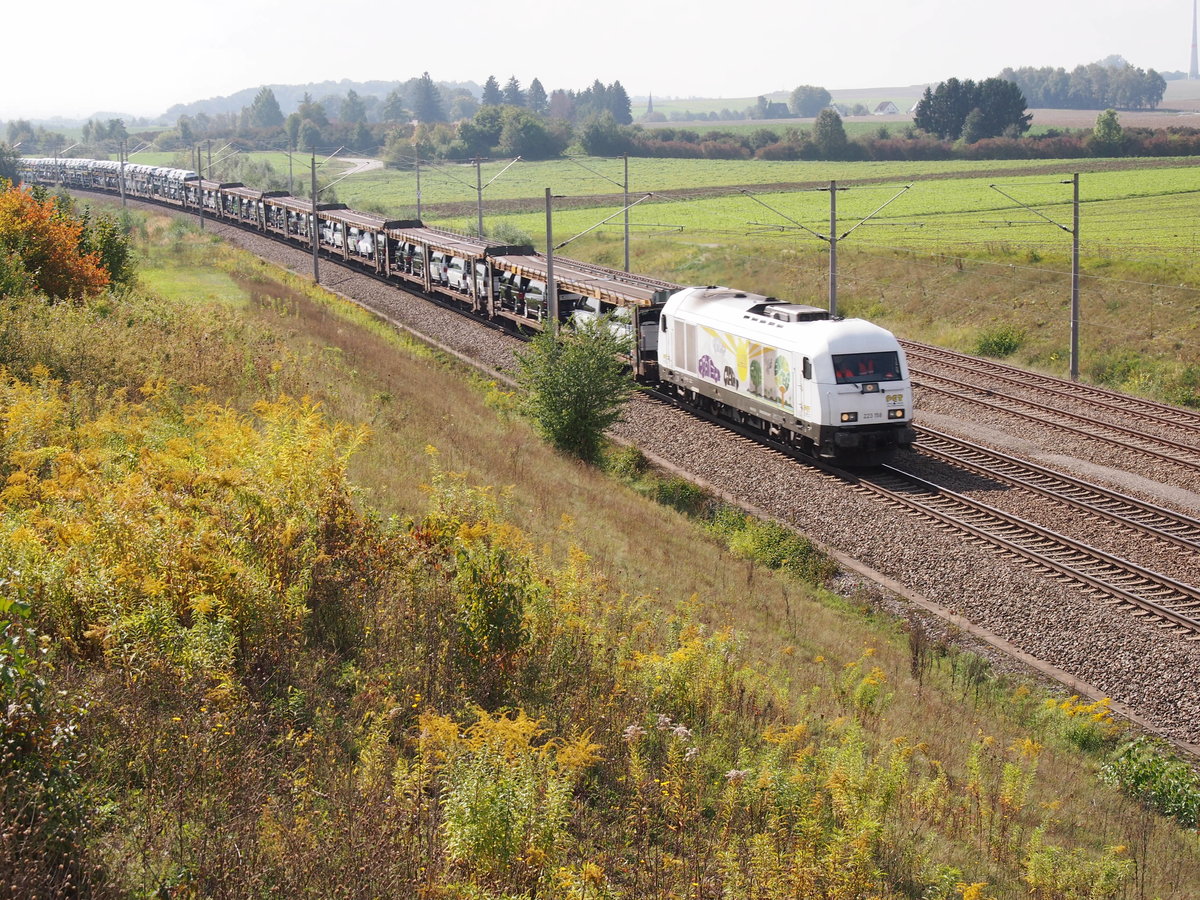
831,387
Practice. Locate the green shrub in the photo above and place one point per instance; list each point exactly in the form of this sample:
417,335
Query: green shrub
1145,770
492,587
14,280
1056,873
680,494
625,462
507,233
506,797
1185,389
575,385
999,341
772,545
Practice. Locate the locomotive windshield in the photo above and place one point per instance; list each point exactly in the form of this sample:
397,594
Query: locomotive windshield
855,368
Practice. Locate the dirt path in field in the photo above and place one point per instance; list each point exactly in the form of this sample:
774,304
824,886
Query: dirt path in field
360,164
985,170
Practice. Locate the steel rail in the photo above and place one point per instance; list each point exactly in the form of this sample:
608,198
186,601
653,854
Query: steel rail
1157,521
1175,414
1142,439
1124,581
1120,408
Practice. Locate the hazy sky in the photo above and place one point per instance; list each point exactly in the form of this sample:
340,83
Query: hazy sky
73,59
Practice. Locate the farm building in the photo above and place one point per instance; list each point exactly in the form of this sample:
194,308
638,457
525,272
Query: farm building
886,108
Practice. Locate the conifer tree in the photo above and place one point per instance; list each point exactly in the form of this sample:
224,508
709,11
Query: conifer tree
428,105
513,95
492,95
354,111
265,111
535,98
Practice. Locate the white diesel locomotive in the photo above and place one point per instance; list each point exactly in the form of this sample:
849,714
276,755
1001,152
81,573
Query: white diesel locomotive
833,388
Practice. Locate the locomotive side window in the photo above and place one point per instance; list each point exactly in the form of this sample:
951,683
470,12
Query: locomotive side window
856,368
807,369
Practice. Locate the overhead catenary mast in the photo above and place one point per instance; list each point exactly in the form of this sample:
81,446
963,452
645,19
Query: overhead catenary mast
1194,72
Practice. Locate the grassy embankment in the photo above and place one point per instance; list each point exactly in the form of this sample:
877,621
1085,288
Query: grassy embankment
287,727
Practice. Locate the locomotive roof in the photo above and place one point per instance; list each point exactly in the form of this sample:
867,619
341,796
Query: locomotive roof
769,321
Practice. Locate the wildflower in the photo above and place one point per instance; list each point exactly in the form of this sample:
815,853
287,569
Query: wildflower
664,722
682,732
632,733
736,776
692,753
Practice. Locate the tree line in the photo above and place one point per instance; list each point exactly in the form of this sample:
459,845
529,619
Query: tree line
972,111
424,118
418,113
1100,85
827,139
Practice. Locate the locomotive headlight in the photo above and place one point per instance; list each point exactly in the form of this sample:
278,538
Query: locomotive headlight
850,417
895,413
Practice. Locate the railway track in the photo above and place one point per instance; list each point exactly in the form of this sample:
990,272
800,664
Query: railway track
1108,577
1144,592
1163,524
1175,452
1123,405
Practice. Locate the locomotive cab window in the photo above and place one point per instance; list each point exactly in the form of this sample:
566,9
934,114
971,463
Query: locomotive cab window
857,368
807,369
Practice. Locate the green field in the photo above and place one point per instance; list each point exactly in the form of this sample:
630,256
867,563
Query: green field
944,260
395,191
1146,204
1148,210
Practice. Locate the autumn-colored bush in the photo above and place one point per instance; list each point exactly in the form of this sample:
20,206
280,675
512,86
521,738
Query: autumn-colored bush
42,243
